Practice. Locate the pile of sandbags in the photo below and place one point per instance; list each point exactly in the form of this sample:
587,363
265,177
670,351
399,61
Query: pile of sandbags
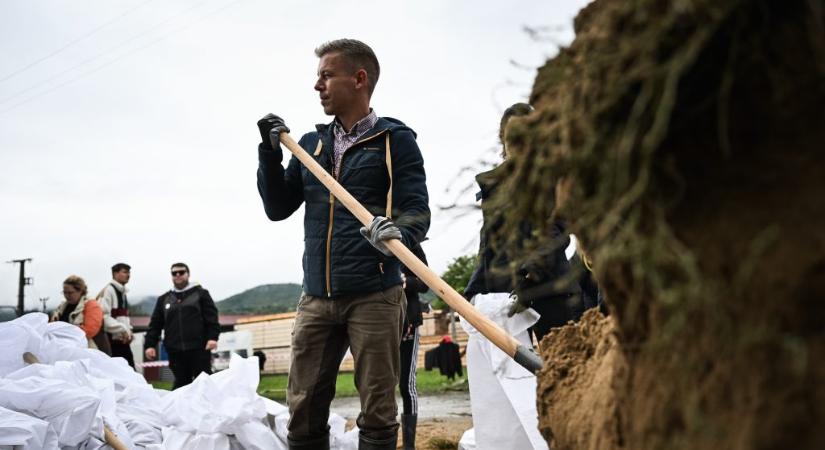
79,398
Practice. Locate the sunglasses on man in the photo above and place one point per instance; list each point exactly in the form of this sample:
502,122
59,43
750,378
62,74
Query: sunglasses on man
178,273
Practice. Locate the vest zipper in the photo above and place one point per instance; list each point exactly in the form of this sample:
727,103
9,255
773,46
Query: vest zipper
332,208
329,243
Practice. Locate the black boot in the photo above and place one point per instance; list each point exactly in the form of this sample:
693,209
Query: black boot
321,443
408,422
365,443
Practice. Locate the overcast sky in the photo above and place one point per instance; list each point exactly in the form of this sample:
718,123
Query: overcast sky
127,128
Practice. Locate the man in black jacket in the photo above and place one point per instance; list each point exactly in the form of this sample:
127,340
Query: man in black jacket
352,285
189,320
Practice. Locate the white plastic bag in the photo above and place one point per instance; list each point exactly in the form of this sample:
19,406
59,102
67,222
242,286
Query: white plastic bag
174,439
70,410
24,432
468,440
503,393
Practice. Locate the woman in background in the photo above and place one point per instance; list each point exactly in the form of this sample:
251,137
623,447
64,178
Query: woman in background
79,310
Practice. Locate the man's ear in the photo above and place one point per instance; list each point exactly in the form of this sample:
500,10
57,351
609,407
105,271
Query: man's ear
361,79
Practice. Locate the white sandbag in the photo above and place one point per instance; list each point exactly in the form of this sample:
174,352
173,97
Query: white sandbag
73,365
225,402
216,403
468,440
58,341
337,426
71,410
274,408
339,438
33,333
79,374
23,432
76,390
62,334
18,336
101,365
503,393
281,421
255,435
139,409
174,439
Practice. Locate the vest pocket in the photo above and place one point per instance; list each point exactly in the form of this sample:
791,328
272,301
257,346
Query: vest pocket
364,158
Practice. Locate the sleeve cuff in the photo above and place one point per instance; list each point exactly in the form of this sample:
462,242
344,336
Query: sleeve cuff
269,157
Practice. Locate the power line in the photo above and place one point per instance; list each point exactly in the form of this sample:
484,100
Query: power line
99,55
89,72
81,38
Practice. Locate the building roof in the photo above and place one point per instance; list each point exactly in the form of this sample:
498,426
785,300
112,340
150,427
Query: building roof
226,320
266,317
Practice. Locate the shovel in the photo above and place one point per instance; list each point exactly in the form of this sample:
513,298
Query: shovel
522,354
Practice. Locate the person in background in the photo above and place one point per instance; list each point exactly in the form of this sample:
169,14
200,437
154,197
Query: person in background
115,306
492,272
189,320
261,359
413,286
502,393
538,282
82,311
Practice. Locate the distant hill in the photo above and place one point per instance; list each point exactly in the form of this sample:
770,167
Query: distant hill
142,306
264,299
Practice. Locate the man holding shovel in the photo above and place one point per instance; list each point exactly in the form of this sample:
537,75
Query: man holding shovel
352,285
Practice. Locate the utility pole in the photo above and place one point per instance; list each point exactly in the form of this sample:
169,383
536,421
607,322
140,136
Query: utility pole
22,283
43,300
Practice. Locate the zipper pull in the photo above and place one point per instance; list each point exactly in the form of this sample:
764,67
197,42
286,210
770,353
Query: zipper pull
381,268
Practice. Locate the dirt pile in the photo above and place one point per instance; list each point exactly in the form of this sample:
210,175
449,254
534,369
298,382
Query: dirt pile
683,143
577,387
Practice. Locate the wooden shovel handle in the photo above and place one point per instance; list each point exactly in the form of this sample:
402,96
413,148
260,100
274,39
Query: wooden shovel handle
29,358
482,323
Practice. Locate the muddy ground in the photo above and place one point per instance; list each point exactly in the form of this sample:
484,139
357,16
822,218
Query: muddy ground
442,418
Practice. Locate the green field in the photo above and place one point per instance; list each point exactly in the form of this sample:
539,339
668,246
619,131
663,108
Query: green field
274,386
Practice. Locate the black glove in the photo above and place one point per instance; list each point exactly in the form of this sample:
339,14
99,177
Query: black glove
380,230
266,126
517,304
525,292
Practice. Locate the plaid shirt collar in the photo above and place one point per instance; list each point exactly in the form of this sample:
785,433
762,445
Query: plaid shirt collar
344,140
360,127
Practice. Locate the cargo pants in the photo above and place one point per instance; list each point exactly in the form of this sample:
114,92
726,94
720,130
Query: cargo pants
370,325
